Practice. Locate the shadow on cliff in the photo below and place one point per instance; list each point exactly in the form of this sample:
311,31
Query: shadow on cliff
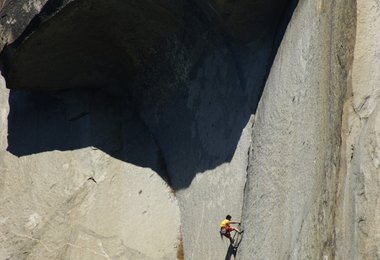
231,253
232,249
95,82
41,121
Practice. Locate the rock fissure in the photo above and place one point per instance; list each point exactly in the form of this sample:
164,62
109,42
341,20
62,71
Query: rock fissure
153,102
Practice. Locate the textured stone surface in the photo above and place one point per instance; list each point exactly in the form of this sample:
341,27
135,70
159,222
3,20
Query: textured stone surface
15,16
169,86
128,131
290,200
358,232
82,204
50,209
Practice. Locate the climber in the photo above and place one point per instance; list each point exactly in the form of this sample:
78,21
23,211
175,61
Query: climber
226,229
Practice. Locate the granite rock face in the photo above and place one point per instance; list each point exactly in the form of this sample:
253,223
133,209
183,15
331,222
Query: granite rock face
358,215
125,116
313,179
290,200
129,129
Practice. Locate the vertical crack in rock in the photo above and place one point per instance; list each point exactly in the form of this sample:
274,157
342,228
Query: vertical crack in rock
342,213
357,222
291,186
248,165
167,86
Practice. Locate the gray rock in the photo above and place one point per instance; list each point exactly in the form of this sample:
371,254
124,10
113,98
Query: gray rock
128,129
103,88
313,178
